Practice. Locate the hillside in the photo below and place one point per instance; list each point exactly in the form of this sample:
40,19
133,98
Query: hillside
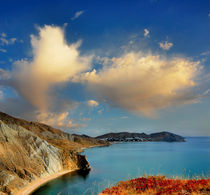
140,137
31,150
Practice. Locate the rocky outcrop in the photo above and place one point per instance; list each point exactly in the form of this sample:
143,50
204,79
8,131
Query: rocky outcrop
141,137
30,150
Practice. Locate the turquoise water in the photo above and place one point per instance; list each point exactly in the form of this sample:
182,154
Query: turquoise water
128,160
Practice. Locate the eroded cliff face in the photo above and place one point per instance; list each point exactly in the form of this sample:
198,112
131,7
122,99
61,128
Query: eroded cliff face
31,150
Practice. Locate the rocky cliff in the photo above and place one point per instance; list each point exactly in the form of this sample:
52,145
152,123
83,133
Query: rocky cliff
31,150
141,137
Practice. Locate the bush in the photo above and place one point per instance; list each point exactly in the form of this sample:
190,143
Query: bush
159,185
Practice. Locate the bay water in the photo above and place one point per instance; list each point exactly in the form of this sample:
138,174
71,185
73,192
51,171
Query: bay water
122,161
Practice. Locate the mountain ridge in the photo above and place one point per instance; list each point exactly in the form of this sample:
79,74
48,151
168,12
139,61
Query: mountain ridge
141,137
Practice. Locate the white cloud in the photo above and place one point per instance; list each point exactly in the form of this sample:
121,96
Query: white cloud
54,62
207,53
165,45
92,103
13,40
3,34
77,15
144,83
146,32
5,41
84,119
3,50
135,81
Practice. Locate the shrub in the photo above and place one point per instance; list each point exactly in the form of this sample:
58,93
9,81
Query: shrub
159,185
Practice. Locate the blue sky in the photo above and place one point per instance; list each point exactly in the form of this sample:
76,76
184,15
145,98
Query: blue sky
111,33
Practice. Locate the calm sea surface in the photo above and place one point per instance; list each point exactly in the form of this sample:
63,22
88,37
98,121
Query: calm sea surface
129,160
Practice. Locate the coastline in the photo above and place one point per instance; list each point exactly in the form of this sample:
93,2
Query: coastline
96,146
37,183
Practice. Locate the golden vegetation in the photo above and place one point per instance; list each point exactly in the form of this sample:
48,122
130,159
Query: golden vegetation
159,185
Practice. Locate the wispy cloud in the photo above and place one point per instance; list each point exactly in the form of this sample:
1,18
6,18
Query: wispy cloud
6,41
206,53
3,50
166,45
60,120
3,34
13,40
77,15
124,117
92,103
146,32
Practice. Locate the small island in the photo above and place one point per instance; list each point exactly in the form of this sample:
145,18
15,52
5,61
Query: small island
141,137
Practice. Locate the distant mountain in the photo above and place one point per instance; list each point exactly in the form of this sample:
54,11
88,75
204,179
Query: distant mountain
141,137
31,150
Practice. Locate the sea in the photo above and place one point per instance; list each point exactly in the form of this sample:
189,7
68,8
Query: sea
123,161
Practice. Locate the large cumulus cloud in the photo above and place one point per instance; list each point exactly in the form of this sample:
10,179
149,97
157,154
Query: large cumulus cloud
144,83
54,62
135,81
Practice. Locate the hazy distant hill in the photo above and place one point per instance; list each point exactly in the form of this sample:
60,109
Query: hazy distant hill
30,150
141,137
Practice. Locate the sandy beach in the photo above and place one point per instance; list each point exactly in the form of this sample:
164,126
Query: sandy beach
31,187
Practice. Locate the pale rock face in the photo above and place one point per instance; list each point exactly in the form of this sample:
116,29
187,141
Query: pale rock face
32,148
36,147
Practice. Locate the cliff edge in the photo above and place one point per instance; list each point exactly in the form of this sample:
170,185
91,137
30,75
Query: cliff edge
31,150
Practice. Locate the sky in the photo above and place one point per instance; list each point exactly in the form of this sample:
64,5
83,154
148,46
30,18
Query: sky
93,67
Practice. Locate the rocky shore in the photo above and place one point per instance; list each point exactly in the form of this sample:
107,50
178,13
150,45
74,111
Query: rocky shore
30,151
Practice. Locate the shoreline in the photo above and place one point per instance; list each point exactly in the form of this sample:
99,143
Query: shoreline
96,146
37,183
